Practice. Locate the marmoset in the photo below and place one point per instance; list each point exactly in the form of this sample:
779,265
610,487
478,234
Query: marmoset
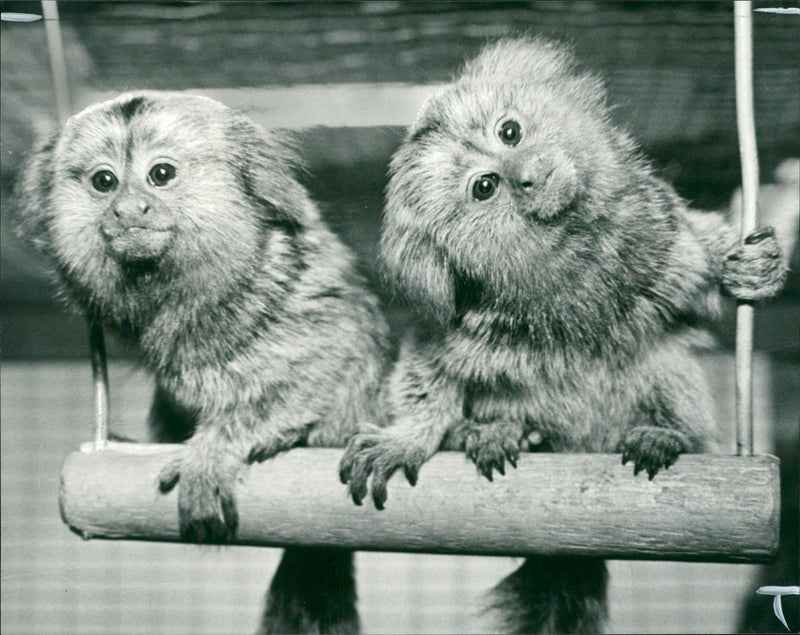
182,226
560,285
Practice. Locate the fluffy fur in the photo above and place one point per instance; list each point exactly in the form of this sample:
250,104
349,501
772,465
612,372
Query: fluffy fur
559,283
181,226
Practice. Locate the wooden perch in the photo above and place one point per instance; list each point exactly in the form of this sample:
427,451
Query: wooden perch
705,507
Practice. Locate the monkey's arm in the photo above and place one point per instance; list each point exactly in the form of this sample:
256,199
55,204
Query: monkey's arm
671,416
207,469
754,269
222,445
425,405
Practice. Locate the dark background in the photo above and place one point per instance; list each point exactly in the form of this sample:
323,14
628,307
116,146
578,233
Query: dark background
669,68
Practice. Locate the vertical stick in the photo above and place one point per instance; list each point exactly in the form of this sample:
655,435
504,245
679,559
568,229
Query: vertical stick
745,119
97,352
52,30
97,346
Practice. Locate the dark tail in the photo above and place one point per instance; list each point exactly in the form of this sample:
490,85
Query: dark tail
553,594
313,591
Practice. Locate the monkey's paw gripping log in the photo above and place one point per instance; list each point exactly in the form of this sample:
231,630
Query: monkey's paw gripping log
378,455
756,269
490,445
206,503
652,448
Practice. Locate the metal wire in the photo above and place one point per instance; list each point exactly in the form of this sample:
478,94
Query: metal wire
97,352
745,120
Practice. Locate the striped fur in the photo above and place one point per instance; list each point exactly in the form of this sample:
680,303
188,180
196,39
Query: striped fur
560,299
247,309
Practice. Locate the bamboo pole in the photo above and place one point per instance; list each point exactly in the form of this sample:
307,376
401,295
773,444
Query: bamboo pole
705,507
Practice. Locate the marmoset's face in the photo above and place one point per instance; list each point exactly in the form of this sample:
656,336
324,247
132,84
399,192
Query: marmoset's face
513,155
512,148
144,180
498,175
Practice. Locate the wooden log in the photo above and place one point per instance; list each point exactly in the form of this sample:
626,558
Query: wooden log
705,507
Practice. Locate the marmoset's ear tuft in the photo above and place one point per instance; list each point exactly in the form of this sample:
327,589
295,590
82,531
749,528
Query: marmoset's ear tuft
34,182
267,168
418,270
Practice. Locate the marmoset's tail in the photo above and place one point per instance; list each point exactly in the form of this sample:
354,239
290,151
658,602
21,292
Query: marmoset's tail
552,594
313,591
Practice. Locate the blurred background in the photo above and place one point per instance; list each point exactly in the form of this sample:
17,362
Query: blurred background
348,78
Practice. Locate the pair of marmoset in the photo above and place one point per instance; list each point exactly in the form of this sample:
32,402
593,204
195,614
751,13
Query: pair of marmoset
556,280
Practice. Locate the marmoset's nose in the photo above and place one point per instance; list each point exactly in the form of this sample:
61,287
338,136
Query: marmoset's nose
130,208
532,173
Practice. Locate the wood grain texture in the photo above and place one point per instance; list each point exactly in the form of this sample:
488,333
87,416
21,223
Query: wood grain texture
711,508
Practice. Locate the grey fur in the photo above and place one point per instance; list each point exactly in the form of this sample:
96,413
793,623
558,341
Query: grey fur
561,306
247,309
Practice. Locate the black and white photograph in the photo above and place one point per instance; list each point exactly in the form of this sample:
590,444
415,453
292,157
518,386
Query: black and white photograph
394,317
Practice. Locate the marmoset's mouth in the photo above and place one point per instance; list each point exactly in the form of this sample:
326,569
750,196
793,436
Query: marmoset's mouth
131,244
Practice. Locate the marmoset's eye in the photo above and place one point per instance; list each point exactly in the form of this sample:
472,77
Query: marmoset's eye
161,174
104,181
485,186
510,132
